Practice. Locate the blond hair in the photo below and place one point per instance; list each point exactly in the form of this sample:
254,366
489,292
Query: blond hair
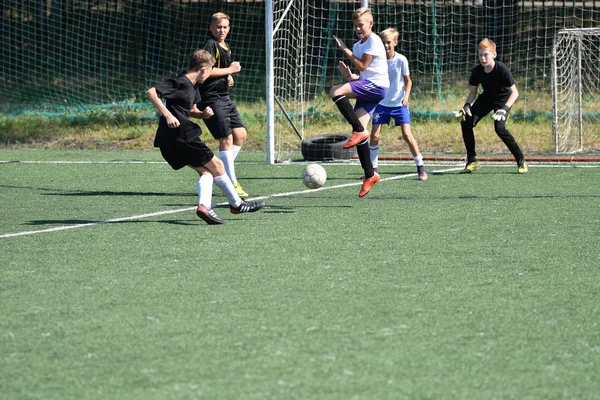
217,17
487,44
360,12
390,33
199,59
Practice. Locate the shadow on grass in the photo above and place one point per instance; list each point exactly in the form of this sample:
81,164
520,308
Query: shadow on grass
58,192
84,193
267,210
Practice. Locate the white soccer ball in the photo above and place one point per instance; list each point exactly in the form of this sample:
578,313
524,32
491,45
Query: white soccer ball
314,176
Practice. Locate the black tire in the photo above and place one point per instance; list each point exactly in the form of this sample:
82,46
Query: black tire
326,147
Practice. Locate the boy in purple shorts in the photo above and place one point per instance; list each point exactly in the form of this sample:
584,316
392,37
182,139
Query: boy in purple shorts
368,87
179,138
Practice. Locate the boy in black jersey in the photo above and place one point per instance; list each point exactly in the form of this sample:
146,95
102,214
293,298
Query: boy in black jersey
179,138
226,125
499,94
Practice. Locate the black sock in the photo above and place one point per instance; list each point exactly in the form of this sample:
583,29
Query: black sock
364,155
469,139
343,104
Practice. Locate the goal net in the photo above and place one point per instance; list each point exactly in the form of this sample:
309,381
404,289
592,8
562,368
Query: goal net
302,61
92,60
575,88
440,41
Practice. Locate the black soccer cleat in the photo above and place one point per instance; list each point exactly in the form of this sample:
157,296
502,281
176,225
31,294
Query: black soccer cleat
208,215
246,207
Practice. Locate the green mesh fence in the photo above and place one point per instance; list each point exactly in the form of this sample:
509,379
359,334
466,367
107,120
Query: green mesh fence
69,56
63,56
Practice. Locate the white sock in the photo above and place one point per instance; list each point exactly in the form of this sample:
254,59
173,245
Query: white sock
374,155
224,183
205,190
236,150
227,157
418,160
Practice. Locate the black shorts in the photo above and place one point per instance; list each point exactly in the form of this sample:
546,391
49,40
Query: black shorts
180,154
226,118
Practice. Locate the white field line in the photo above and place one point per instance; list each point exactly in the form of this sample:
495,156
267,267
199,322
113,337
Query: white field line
108,221
438,163
158,213
142,216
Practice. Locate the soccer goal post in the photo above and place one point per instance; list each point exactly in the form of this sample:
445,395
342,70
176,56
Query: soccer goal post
285,58
575,88
299,49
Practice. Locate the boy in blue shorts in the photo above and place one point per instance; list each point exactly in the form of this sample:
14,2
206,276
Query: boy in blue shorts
395,103
226,125
368,87
179,138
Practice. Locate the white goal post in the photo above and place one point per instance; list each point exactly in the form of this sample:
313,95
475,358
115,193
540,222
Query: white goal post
285,57
296,58
575,88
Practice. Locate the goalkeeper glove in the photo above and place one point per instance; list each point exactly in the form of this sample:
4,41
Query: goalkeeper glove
500,115
463,112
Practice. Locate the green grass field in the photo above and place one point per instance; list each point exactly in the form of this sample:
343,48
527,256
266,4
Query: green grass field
433,125
480,286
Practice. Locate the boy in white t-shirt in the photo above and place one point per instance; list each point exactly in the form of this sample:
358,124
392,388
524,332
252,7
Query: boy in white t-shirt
368,87
395,103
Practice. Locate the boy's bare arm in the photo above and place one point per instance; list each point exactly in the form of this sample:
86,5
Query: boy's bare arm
407,89
514,95
472,94
360,63
204,114
234,68
466,109
346,72
172,122
500,114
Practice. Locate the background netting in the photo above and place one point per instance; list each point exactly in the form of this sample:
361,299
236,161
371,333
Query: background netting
78,55
440,41
75,56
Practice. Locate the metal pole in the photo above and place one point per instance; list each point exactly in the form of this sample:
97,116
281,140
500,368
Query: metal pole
555,92
270,67
580,88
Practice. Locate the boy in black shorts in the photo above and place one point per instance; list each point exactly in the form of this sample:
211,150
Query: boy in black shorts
226,125
499,94
179,138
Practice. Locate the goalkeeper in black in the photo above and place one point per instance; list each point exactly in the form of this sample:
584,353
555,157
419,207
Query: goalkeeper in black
499,94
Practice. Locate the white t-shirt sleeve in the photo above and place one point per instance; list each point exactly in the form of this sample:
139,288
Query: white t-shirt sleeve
404,61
